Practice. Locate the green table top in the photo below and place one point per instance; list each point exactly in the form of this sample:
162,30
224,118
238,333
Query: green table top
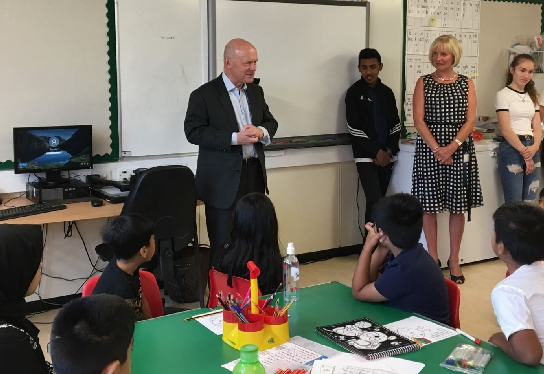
169,345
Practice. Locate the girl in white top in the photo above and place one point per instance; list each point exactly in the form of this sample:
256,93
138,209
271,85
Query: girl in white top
519,119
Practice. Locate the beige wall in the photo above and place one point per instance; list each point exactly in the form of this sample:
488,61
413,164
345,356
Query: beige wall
315,205
386,30
499,24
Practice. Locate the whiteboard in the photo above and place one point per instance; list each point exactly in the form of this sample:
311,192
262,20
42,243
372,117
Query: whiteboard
54,68
162,58
308,57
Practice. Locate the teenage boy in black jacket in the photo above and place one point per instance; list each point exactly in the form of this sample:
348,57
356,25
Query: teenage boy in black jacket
374,126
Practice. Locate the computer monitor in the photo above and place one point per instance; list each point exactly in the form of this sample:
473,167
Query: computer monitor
52,150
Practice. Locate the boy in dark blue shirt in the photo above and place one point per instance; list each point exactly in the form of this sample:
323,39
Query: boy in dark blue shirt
412,281
131,238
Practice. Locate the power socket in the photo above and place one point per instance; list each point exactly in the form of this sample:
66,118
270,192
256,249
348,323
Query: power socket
124,175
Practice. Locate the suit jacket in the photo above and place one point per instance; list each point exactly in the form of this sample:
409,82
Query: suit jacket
209,123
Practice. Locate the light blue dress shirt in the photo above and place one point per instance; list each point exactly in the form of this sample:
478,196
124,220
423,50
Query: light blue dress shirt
238,97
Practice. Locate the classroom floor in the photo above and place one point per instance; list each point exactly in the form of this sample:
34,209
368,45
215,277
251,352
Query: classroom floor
477,316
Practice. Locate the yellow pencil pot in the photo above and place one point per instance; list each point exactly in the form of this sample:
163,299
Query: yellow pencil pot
265,331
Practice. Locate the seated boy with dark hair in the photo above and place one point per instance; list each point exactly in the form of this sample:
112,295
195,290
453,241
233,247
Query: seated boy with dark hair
132,241
93,335
411,281
518,300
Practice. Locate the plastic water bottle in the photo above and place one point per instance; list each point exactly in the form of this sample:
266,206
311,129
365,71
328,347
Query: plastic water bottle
290,274
249,361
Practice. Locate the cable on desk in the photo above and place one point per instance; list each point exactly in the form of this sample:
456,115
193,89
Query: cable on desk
86,250
37,322
17,197
45,228
13,198
89,277
93,272
67,233
64,279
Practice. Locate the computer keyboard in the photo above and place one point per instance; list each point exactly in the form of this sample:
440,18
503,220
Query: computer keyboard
29,210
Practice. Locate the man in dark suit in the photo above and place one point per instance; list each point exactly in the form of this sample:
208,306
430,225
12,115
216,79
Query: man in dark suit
230,122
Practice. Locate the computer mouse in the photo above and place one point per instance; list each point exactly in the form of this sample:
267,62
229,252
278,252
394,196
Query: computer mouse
96,202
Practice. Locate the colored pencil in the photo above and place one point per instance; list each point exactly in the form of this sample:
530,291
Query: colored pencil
204,315
282,312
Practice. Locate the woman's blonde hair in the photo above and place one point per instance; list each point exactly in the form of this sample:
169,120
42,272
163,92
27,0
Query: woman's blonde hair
449,44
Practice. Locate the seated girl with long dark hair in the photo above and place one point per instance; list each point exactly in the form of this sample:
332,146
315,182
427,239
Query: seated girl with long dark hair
254,237
21,250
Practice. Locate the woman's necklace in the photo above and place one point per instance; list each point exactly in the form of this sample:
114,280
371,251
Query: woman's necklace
517,93
445,79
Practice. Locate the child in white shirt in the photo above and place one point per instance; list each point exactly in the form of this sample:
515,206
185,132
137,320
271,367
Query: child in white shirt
518,300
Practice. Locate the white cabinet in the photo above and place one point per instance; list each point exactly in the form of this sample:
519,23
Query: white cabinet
477,237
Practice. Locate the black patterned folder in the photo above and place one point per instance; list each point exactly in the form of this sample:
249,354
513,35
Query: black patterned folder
367,338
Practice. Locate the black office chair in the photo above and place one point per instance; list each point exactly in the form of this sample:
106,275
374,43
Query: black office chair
167,195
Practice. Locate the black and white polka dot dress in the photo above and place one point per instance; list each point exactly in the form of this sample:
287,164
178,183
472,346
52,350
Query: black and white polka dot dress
455,188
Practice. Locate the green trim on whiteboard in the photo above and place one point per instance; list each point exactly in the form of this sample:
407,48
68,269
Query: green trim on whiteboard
112,70
114,109
7,165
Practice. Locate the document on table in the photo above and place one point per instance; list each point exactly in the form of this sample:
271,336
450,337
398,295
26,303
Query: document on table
420,330
214,323
298,351
353,364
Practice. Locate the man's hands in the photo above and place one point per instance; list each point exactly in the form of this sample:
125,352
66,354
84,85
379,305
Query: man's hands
249,135
382,158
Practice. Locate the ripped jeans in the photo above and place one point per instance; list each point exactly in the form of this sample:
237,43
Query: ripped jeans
515,184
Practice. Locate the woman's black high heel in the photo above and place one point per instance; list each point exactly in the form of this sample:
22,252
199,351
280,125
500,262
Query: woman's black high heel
458,279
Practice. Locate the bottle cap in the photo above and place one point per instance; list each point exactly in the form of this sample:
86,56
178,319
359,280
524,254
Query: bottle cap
249,353
290,249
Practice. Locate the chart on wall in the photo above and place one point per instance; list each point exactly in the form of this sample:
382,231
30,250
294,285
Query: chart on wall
54,71
425,21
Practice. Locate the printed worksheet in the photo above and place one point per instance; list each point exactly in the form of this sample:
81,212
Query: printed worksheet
291,353
420,330
214,323
351,364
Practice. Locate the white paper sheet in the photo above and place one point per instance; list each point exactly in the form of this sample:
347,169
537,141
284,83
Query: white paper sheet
346,363
297,352
424,331
214,323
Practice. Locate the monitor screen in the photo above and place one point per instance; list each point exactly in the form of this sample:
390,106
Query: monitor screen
38,149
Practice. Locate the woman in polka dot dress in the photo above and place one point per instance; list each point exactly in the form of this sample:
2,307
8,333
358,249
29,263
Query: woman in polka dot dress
445,175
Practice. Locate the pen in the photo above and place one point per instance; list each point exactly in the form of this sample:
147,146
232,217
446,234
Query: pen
239,314
477,341
271,298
